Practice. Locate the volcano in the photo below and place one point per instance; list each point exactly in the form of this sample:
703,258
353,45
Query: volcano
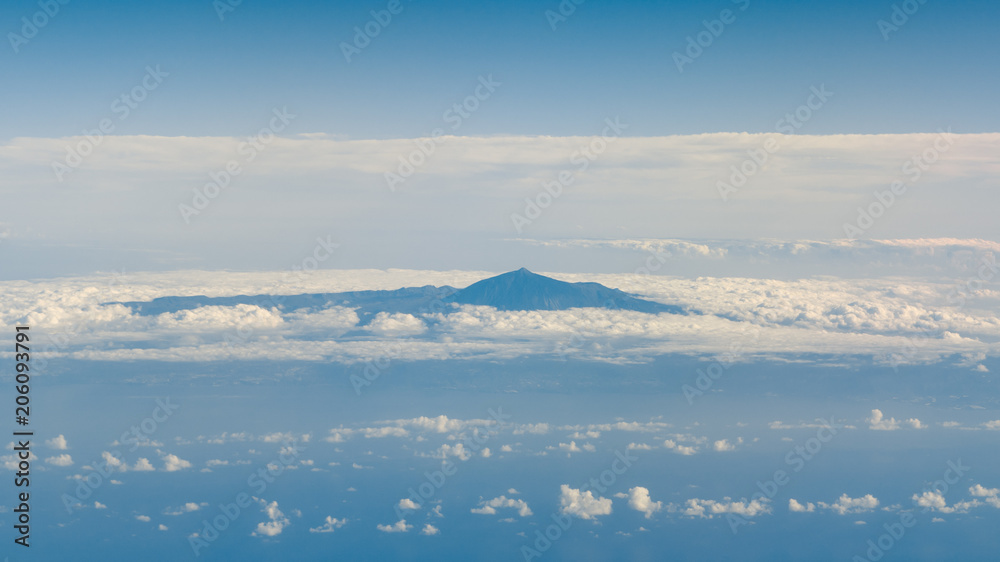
524,290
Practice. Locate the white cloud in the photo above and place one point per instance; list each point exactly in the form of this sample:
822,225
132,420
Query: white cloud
582,504
407,503
329,525
186,508
173,463
58,443
458,450
489,507
846,504
429,530
710,508
60,460
143,518
99,505
143,465
572,447
398,527
726,445
878,421
276,522
795,506
396,324
379,432
534,428
639,500
679,449
162,527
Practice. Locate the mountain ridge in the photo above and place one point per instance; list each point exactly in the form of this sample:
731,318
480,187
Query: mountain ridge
515,290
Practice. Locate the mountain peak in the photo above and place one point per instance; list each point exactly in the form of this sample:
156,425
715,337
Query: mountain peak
523,290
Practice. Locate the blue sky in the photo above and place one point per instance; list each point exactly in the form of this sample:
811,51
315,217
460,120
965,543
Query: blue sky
606,58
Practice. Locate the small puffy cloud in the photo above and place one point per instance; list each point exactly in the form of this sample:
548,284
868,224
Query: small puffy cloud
639,447
407,503
398,527
99,505
489,507
112,462
329,525
396,324
991,495
446,450
994,424
710,508
143,465
582,504
726,445
572,447
846,504
679,449
276,522
429,530
795,506
379,432
58,443
143,518
639,500
186,508
163,527
486,453
173,463
879,422
979,490
533,428
60,460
